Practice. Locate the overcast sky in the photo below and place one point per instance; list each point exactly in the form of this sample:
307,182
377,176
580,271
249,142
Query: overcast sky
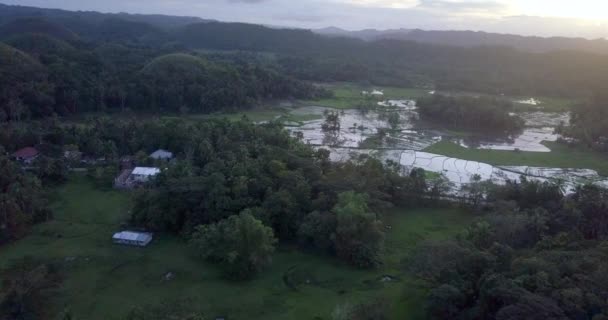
586,18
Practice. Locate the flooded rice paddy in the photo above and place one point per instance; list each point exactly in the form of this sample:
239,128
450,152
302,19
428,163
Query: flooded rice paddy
372,133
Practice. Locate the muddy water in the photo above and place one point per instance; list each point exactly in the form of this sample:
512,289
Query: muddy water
357,127
530,140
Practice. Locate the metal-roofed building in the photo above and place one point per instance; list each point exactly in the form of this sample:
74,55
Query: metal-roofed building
132,238
143,174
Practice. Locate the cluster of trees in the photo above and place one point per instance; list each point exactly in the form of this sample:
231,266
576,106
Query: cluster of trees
483,114
240,186
22,200
534,254
27,287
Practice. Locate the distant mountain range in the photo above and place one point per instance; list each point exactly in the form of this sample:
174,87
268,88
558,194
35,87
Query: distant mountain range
470,39
10,13
97,25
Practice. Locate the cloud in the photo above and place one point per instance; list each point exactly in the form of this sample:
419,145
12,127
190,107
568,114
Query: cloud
247,1
451,7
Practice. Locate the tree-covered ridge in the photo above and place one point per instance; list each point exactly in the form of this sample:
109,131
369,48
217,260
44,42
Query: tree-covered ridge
470,113
48,76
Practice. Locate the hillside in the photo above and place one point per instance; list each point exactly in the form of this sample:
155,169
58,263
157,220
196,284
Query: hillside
39,26
9,13
102,72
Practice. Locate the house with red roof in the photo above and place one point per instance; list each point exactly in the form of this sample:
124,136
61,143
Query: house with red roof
26,155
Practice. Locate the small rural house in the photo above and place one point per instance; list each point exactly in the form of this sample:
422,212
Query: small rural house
161,154
132,238
130,178
26,155
143,174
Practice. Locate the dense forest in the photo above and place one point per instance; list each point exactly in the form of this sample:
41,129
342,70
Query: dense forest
533,254
43,76
470,113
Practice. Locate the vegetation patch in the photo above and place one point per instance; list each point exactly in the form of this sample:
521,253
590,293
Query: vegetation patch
349,95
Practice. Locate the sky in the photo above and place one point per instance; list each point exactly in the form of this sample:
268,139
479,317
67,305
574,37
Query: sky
580,18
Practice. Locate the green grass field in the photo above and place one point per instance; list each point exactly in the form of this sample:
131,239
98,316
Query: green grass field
561,156
105,281
348,95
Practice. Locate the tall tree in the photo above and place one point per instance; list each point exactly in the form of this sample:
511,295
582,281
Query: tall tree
359,236
240,243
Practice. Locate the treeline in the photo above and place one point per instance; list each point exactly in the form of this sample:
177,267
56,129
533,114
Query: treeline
470,113
534,254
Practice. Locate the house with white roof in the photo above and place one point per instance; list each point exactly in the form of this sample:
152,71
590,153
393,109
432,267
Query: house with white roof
144,174
130,178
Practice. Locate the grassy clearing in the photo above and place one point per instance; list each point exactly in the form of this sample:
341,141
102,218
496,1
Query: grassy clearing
547,104
105,281
561,156
260,114
348,95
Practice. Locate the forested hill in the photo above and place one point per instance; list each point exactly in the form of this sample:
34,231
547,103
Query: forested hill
71,62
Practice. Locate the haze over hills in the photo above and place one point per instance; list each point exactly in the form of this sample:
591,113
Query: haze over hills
10,13
474,39
90,20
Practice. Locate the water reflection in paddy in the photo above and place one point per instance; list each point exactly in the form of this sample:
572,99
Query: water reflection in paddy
359,135
358,127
